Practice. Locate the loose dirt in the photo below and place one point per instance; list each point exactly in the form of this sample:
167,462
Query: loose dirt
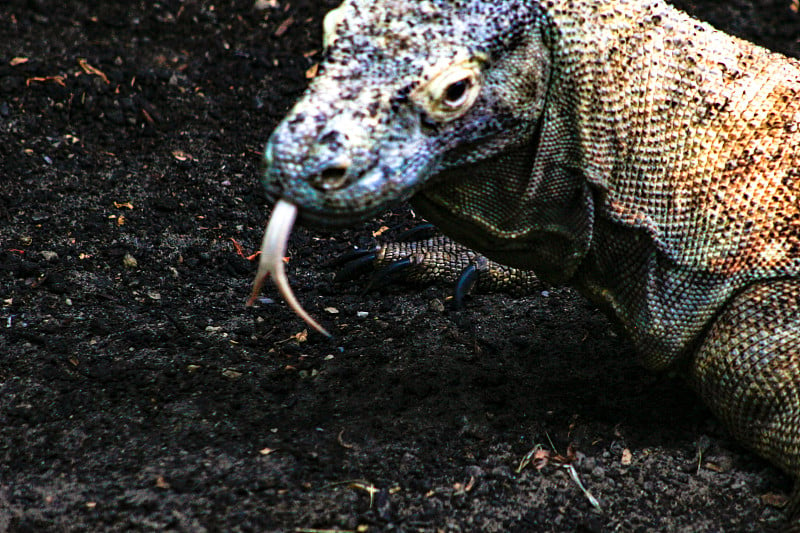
138,393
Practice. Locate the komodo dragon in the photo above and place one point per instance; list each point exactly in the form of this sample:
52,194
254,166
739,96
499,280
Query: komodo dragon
619,146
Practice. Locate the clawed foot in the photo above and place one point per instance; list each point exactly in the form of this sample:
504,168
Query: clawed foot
417,257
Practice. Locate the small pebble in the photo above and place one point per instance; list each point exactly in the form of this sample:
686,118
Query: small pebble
129,261
261,5
436,305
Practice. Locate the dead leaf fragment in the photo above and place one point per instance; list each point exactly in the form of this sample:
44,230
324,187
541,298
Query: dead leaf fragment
311,73
89,69
462,488
237,247
180,155
284,26
538,457
266,451
44,79
342,443
541,458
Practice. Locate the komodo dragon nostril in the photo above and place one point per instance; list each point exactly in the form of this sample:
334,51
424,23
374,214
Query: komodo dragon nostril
332,178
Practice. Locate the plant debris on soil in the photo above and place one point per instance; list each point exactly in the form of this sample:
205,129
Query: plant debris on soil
138,393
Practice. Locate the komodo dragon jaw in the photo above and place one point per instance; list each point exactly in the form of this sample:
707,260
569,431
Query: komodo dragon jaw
405,93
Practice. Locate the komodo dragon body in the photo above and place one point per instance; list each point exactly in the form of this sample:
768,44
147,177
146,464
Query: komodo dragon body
619,146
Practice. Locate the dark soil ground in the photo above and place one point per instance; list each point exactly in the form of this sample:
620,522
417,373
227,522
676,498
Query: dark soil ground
137,392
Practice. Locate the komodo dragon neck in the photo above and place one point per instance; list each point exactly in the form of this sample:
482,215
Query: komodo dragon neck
639,185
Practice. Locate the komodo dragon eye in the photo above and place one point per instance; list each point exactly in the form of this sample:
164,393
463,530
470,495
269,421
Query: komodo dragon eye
451,91
456,93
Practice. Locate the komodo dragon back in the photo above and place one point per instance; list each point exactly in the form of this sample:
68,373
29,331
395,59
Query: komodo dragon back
621,146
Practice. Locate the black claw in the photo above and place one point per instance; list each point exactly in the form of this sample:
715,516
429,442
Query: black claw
417,233
466,281
357,267
348,257
382,276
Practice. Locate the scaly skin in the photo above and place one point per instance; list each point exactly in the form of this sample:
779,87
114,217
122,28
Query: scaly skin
623,147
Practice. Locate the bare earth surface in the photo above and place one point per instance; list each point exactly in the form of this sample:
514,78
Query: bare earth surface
137,393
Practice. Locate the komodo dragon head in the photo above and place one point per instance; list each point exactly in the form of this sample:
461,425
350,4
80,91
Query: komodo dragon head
411,95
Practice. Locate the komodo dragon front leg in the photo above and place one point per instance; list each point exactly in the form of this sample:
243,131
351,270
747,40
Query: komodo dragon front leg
436,259
618,146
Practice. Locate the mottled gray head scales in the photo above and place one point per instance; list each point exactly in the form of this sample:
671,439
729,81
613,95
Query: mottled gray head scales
404,89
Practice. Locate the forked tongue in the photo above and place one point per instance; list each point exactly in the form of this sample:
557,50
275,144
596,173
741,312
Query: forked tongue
273,249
